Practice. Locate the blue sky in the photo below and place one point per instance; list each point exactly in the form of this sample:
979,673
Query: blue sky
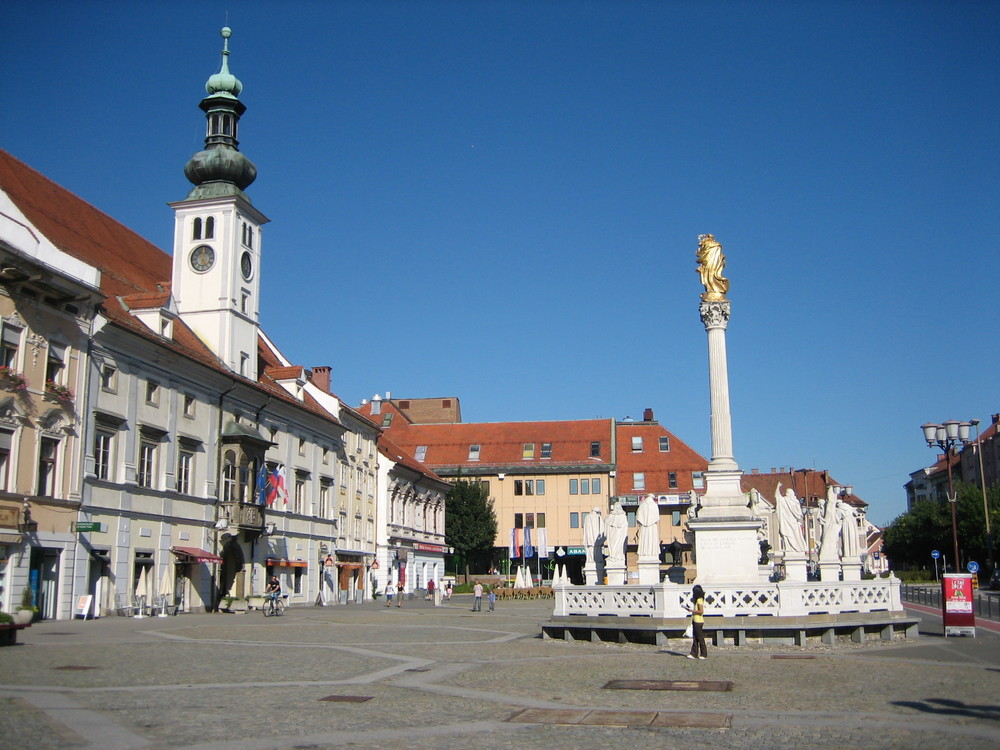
500,201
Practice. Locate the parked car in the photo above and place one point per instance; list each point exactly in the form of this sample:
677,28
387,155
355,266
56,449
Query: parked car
995,579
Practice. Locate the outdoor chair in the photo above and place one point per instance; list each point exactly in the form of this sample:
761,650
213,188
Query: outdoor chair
124,606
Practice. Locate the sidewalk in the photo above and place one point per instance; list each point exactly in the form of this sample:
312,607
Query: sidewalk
425,677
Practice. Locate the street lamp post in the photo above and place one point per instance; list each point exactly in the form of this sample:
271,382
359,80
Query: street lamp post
947,437
986,508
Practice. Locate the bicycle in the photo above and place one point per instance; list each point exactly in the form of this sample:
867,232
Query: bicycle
274,607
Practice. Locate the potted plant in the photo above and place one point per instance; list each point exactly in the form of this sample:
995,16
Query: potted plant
12,379
26,612
58,391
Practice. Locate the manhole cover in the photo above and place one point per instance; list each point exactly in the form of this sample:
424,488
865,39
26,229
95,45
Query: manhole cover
792,656
704,686
609,718
696,721
74,666
346,698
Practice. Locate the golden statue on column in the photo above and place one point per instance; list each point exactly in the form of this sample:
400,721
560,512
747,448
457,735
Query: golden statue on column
711,262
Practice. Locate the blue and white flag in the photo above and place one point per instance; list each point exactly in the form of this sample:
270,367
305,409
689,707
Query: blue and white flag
529,551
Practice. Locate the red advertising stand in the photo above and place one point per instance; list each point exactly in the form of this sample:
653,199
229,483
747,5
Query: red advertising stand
956,598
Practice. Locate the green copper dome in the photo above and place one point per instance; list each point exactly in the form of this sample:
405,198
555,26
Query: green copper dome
220,169
224,83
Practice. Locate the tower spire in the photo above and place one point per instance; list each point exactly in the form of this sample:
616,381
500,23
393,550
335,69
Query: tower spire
220,169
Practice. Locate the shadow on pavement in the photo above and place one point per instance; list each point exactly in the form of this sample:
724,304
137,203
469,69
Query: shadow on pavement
953,708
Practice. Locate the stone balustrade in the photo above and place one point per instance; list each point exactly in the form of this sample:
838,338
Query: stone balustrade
667,600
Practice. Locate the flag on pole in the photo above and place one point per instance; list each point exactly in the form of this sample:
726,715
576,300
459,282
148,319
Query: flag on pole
276,486
517,542
512,551
262,485
529,550
541,539
282,490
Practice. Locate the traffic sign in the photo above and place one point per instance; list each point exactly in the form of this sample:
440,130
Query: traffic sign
972,567
935,554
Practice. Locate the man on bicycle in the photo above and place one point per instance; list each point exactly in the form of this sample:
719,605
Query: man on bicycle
273,589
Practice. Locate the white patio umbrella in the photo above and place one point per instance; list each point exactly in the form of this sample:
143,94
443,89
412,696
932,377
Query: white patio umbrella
519,579
166,590
140,591
529,583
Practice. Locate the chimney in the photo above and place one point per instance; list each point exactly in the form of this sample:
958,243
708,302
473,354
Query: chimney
321,378
647,415
773,470
755,471
995,418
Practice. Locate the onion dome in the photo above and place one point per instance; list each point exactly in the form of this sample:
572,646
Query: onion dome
220,169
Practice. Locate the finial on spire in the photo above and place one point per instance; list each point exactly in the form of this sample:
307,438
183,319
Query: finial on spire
224,82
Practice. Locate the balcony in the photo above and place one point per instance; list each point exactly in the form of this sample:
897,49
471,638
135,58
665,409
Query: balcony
247,516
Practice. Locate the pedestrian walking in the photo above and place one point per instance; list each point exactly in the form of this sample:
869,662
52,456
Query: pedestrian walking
477,602
699,649
399,595
493,600
388,594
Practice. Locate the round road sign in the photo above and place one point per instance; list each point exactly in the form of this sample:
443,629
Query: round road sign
935,554
973,566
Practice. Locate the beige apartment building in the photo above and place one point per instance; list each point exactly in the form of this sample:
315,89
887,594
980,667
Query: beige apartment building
545,477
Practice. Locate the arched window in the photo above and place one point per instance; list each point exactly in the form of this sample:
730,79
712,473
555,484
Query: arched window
196,231
229,473
209,227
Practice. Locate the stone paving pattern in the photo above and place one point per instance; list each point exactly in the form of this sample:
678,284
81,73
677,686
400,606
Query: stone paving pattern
448,678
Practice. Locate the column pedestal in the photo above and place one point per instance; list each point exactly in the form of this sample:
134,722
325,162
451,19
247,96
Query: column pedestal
616,575
851,570
649,571
829,570
795,567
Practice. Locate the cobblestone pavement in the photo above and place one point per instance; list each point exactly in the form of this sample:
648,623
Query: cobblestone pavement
425,677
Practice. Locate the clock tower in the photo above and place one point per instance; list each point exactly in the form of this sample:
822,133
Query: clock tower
217,233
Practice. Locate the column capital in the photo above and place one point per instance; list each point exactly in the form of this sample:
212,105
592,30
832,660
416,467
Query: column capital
714,313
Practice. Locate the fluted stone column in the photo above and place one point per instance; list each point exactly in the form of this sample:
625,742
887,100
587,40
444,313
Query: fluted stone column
725,530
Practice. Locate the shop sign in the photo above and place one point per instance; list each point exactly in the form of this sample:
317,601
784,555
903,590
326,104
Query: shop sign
80,526
428,547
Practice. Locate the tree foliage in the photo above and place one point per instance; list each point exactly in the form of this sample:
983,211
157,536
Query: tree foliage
911,537
470,521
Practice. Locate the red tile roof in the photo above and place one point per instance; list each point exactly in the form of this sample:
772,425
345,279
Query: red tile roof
135,274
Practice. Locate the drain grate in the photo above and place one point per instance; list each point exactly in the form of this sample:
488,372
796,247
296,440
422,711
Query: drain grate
346,698
792,656
611,718
75,666
698,686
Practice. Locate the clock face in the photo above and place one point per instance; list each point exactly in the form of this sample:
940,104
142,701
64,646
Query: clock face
246,266
202,258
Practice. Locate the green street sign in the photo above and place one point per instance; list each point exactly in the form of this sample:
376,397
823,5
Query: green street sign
87,526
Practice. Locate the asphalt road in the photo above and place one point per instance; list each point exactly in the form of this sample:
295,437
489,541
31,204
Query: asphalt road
365,676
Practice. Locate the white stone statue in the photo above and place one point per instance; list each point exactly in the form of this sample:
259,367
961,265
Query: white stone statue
831,528
647,516
593,535
617,533
848,520
789,520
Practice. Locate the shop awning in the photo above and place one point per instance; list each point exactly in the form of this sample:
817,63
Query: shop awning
350,565
287,563
193,554
13,538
